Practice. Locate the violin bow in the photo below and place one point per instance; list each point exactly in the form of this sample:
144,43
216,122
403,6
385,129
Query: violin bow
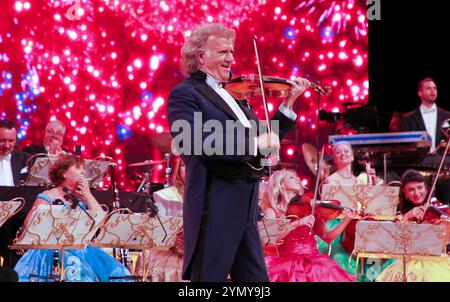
261,83
316,189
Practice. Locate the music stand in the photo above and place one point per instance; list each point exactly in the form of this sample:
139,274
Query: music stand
10,208
399,240
379,201
272,231
56,227
138,231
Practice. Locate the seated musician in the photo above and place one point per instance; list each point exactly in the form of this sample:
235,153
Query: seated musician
89,265
13,171
170,200
299,259
166,265
343,158
412,207
52,141
341,248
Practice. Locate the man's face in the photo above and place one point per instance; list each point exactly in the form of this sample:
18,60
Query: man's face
7,141
428,92
54,135
216,57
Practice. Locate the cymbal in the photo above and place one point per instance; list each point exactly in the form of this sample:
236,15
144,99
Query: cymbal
162,141
310,156
148,163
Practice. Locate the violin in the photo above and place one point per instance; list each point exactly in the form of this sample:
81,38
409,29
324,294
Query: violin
247,86
435,212
300,206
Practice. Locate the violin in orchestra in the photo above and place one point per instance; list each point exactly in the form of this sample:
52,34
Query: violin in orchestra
300,206
247,86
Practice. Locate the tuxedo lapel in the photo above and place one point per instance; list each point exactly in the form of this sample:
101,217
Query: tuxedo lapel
419,121
440,118
212,96
15,167
247,110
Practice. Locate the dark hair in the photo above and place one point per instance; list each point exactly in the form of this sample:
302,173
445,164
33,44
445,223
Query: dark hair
419,87
409,176
7,124
56,172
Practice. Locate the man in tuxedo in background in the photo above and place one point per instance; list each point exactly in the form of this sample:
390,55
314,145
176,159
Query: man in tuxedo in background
13,170
53,140
429,117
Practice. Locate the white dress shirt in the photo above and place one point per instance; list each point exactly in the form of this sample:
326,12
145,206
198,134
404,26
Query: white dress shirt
429,116
6,176
214,84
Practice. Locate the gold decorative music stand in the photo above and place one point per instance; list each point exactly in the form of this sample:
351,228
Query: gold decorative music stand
57,227
398,240
138,231
10,208
272,232
379,201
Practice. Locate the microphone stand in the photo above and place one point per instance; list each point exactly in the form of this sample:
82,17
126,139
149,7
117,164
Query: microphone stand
76,201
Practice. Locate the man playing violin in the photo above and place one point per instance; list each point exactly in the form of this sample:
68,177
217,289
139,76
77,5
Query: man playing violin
221,193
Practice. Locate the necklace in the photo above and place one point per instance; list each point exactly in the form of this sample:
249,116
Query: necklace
343,176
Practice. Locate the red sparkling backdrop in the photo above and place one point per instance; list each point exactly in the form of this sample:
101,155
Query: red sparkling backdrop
105,67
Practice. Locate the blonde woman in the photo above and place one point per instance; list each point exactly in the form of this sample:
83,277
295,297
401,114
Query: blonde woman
299,259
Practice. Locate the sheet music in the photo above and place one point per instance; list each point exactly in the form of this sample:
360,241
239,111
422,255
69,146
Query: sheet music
139,231
60,225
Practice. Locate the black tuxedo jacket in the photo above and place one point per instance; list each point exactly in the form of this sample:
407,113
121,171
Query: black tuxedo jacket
413,121
18,165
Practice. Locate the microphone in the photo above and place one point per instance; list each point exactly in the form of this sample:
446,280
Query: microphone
76,202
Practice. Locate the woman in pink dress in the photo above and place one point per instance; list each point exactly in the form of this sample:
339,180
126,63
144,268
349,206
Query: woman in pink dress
298,258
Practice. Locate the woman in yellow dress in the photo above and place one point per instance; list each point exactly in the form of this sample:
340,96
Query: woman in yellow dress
412,207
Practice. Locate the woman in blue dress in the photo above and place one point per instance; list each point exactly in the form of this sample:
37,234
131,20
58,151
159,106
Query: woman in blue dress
88,265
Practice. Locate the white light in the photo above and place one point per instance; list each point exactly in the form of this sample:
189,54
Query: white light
73,35
358,61
137,63
18,6
67,80
55,60
154,63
